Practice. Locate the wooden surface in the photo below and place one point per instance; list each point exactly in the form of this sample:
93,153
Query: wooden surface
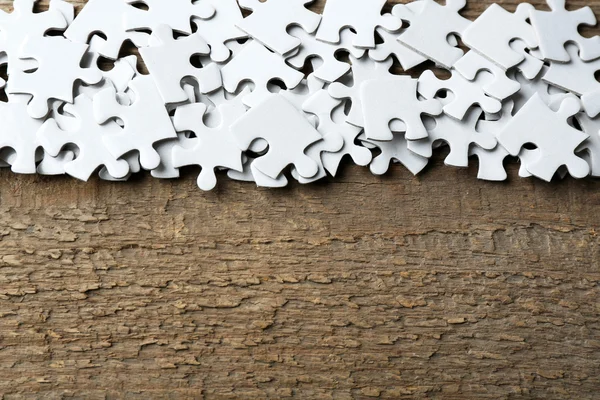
439,286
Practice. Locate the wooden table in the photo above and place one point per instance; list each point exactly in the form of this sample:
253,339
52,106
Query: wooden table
438,286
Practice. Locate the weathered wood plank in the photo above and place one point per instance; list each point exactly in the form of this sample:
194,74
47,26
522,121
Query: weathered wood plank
397,287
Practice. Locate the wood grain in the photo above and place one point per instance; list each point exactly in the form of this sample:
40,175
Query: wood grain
439,286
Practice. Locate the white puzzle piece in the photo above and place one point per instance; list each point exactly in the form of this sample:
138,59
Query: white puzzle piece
105,17
395,151
391,46
386,100
494,30
332,121
221,30
557,141
500,86
466,93
460,136
89,139
270,20
286,130
577,77
23,24
258,65
18,132
177,14
146,121
327,67
169,63
363,16
590,149
363,69
45,84
212,148
431,24
558,27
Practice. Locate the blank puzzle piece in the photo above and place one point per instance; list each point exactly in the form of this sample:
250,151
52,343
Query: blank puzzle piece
391,46
105,17
221,29
286,130
89,137
212,148
395,150
145,121
558,27
386,100
466,93
177,14
430,26
363,70
45,84
23,24
499,87
459,135
330,68
18,132
557,141
168,61
494,30
332,121
363,16
270,20
579,78
256,64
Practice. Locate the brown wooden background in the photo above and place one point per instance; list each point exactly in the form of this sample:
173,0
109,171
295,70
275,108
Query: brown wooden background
439,286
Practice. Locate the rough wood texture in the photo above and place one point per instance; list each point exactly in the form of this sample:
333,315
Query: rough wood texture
433,287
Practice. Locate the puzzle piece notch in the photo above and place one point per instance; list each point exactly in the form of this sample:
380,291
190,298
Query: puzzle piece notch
557,141
168,61
386,100
590,149
286,130
431,24
270,20
364,16
553,39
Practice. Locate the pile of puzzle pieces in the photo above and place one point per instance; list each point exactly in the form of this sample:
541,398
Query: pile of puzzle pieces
287,93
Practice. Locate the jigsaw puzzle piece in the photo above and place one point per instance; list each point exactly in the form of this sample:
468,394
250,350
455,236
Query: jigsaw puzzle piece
557,141
494,30
363,16
270,20
286,130
168,61
386,100
431,24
